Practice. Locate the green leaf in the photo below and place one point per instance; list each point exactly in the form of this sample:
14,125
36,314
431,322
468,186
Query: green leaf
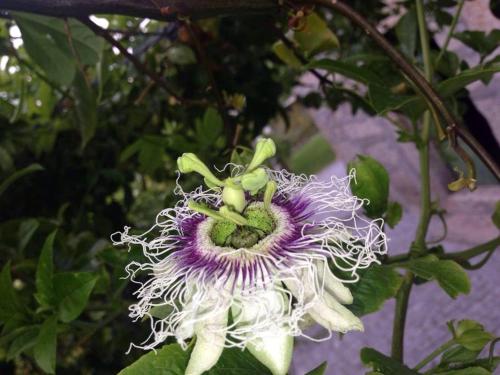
406,31
393,214
85,108
313,156
496,215
18,174
172,360
24,341
472,336
346,69
479,41
45,273
316,36
372,183
210,129
72,293
377,284
46,346
320,370
169,360
382,363
467,371
234,361
384,100
449,274
46,42
459,354
181,54
286,55
26,231
9,302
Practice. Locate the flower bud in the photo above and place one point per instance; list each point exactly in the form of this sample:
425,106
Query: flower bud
233,196
189,162
254,181
264,150
271,188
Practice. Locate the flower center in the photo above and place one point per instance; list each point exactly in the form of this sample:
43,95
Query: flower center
260,224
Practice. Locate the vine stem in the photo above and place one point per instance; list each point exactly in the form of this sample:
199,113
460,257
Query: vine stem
422,84
434,354
474,251
403,296
453,26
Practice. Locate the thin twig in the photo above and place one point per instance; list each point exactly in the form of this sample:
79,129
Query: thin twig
160,81
219,99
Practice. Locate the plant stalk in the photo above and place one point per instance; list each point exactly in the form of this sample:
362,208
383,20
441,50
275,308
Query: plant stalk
434,354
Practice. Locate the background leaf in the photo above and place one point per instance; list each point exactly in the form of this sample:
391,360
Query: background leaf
45,349
372,183
45,273
72,293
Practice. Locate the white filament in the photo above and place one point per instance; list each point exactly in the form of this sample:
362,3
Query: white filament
335,235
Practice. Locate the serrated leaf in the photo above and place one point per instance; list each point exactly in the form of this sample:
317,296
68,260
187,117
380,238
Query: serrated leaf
376,285
45,273
72,292
449,274
384,364
320,370
46,346
371,183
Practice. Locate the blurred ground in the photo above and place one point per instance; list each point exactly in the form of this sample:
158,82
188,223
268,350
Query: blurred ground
468,219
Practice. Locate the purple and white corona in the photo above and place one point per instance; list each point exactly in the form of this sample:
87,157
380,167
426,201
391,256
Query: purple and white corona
252,260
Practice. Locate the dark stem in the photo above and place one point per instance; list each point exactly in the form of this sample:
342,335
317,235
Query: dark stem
160,81
167,10
398,329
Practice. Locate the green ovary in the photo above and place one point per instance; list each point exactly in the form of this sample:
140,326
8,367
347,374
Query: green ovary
260,224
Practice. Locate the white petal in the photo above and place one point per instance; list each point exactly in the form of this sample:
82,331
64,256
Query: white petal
274,350
324,309
268,340
332,315
210,339
332,285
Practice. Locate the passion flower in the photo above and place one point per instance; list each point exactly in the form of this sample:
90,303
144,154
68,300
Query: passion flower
247,262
